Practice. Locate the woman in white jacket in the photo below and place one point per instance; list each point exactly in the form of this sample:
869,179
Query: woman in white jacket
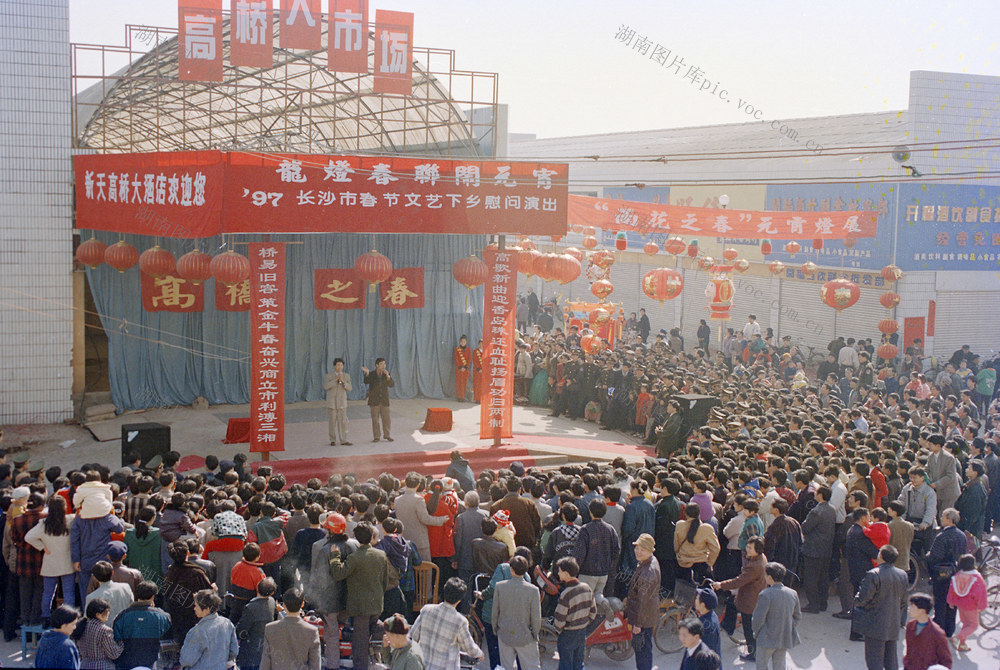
51,536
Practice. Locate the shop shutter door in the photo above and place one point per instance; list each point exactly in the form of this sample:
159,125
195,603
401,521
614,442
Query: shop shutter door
860,321
967,318
805,317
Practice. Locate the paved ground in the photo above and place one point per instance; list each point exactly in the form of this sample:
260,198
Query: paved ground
824,639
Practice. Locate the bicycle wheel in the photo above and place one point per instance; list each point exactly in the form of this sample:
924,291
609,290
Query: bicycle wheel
547,641
989,618
665,635
913,574
989,566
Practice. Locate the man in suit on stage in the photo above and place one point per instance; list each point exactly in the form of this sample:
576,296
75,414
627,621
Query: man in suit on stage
337,384
379,382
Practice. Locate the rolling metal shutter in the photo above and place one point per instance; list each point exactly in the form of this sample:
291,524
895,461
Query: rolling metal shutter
805,317
967,318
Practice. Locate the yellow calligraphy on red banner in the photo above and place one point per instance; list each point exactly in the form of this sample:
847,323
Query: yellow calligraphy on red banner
239,294
337,286
170,293
399,292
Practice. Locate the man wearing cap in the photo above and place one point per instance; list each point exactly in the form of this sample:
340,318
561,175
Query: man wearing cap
642,602
120,574
404,653
704,605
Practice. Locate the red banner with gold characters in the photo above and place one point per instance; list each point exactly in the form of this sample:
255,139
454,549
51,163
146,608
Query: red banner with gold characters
199,40
647,217
267,346
497,396
232,297
404,289
171,294
301,24
347,36
335,288
393,52
251,36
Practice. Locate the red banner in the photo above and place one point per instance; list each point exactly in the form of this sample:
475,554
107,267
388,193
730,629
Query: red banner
158,194
347,36
301,25
191,194
199,40
267,344
251,35
497,397
645,217
232,298
338,289
171,294
931,316
404,289
393,52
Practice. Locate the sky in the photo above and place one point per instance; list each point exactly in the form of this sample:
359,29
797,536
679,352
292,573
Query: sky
564,68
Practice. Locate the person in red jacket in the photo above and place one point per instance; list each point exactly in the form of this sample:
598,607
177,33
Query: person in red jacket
442,501
878,479
878,530
463,359
926,643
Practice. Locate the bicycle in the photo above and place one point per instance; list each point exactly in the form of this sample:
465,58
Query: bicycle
666,635
988,560
989,618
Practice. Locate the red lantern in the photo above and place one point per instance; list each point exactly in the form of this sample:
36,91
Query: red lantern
91,252
621,242
121,256
742,265
230,268
587,343
888,326
840,293
889,299
887,351
849,242
470,272
564,268
651,248
603,259
675,246
892,273
765,247
793,248
373,268
577,229
574,252
706,262
662,284
818,243
526,243
599,317
809,268
526,261
194,266
589,242
776,268
602,288
157,262
589,231
720,292
693,249
730,255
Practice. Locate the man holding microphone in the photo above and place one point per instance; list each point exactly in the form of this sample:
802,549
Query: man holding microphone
337,384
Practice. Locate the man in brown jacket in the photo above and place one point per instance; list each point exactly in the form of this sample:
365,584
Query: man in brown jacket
750,582
291,643
523,514
642,603
379,382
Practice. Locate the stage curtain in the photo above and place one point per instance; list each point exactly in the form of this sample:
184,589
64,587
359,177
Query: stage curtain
158,359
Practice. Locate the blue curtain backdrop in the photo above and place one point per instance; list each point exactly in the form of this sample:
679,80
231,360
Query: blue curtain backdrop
161,358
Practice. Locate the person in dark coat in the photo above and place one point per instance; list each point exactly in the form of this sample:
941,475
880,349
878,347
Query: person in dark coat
942,562
460,469
644,326
783,539
926,643
697,655
667,514
818,531
880,610
859,552
748,584
639,518
670,439
379,382
182,581
257,613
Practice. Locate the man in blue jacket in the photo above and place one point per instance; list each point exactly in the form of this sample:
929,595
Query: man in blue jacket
89,542
55,649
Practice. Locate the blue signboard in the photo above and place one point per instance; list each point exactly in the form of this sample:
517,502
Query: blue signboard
948,227
868,253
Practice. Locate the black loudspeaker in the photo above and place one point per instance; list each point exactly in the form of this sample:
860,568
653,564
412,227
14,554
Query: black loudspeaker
696,408
146,440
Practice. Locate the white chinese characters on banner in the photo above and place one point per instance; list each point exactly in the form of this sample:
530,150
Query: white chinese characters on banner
394,49
199,37
149,188
250,22
497,399
347,30
267,323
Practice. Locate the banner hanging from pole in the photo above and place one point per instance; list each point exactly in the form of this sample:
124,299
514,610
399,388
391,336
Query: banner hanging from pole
267,346
497,398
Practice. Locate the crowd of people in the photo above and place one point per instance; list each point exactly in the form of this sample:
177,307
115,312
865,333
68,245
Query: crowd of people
784,489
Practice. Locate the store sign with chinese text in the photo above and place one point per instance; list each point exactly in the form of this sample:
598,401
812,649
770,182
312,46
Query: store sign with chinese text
949,227
267,346
199,40
497,397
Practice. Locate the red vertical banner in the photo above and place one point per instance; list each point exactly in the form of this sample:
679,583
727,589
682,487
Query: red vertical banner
347,36
199,40
931,312
267,346
251,34
301,24
497,396
393,52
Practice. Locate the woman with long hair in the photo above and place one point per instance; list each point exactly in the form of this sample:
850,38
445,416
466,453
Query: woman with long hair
143,544
696,545
51,535
96,642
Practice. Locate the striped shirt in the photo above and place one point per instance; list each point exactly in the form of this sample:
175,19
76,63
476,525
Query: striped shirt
576,607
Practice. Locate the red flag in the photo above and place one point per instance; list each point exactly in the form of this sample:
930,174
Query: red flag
497,396
301,24
404,289
232,298
251,34
393,52
199,40
338,289
347,36
267,346
171,294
